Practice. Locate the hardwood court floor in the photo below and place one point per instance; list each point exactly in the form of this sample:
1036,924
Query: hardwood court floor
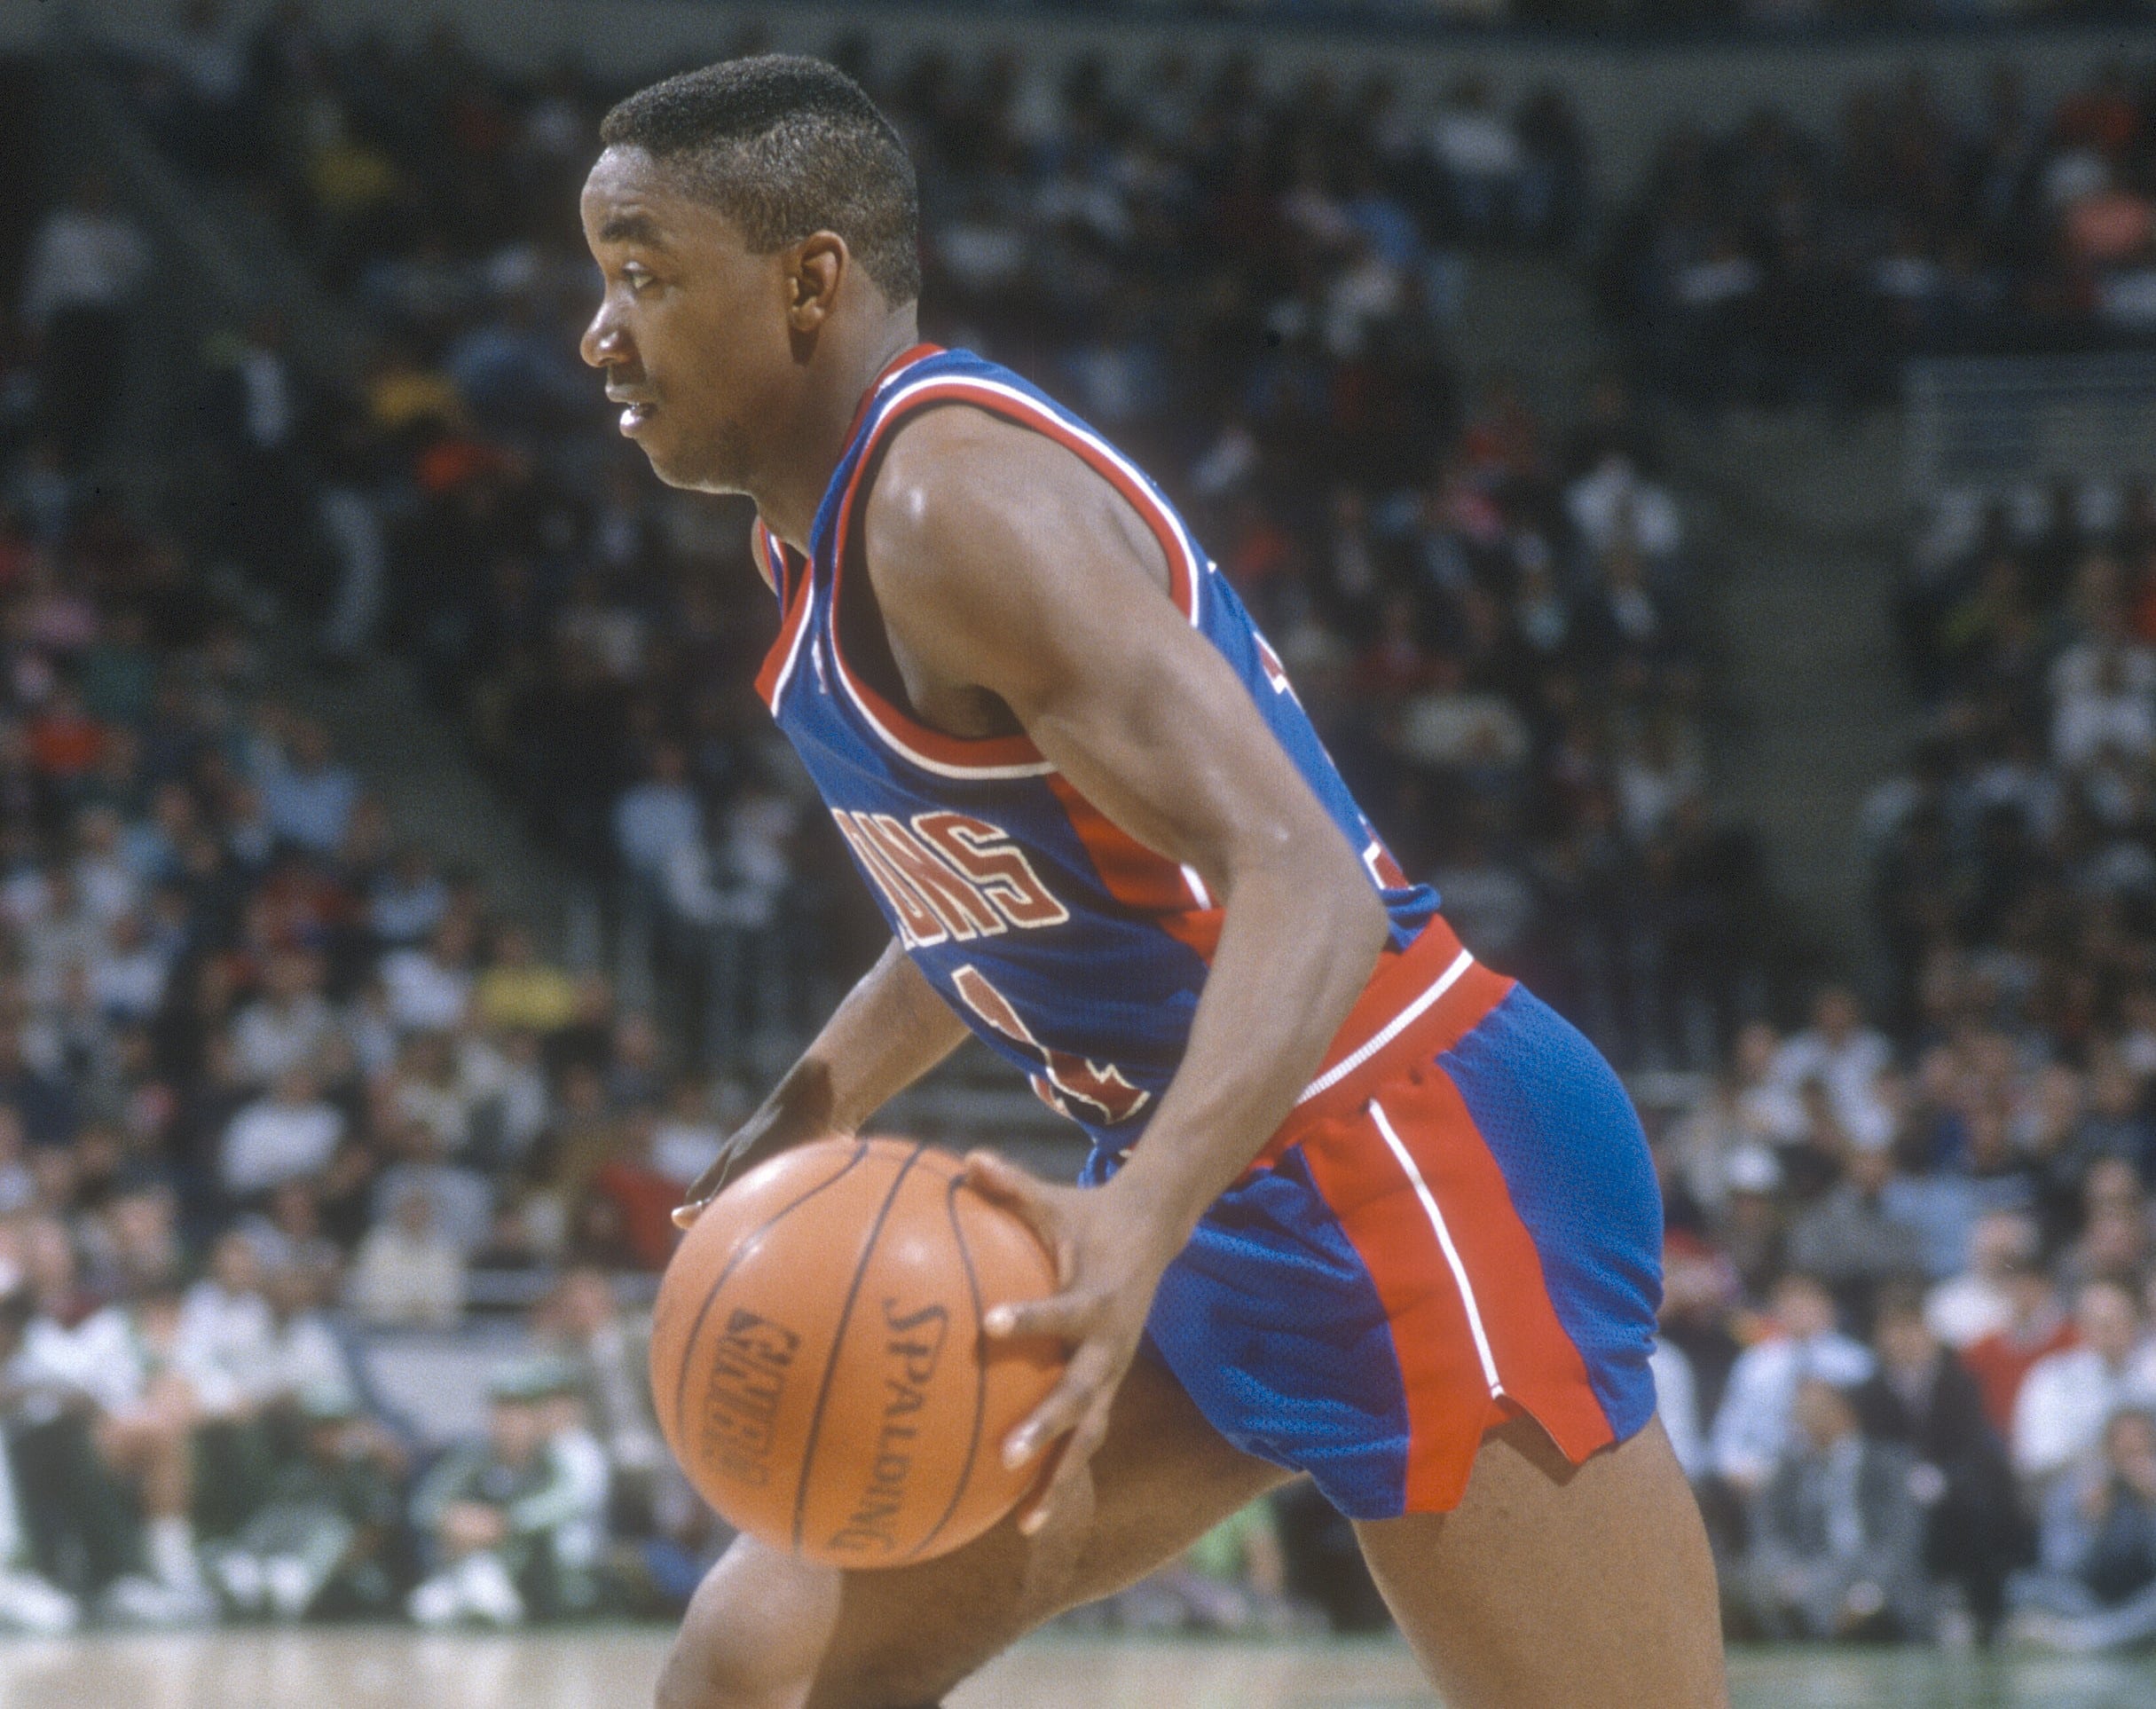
614,1669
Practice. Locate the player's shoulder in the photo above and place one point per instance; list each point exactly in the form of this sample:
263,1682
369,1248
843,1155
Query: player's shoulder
953,480
954,457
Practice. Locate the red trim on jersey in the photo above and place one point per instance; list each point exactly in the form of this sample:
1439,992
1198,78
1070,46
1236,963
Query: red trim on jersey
1147,882
890,371
1448,1401
767,562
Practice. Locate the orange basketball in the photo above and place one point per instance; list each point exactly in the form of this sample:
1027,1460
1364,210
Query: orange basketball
818,1360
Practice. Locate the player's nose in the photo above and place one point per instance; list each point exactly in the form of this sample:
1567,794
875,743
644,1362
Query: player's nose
604,342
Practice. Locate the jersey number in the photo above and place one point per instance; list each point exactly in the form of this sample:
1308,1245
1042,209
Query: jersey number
1104,1095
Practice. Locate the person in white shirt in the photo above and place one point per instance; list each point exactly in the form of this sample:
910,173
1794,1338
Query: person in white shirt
1752,1429
149,1390
289,1025
430,989
1978,1302
2059,1414
299,1353
1849,1059
408,1272
654,818
224,1318
128,974
586,1476
292,1131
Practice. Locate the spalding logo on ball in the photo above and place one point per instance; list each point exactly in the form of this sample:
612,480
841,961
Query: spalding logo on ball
817,1360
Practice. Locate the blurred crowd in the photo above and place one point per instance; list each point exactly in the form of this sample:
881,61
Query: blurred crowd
1770,264
1910,1336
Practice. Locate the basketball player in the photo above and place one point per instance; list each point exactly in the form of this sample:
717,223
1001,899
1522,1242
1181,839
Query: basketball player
1356,1206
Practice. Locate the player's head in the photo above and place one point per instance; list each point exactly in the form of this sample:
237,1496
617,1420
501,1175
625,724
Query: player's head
743,216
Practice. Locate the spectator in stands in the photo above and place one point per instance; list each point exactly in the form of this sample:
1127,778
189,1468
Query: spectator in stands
2037,1325
1978,1301
604,1351
2059,1414
519,991
30,1602
407,1271
492,1513
291,1131
459,1200
408,900
85,267
1853,1239
290,1024
2095,1586
308,798
1923,1398
576,1542
1837,1533
322,1540
1848,1058
1753,1429
431,989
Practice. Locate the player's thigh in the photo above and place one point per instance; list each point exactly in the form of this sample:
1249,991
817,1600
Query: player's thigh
1553,1586
766,1631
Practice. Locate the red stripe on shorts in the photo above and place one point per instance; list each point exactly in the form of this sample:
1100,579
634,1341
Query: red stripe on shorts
1450,1402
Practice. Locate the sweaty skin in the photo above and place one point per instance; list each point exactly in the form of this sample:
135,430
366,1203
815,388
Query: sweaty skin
1013,584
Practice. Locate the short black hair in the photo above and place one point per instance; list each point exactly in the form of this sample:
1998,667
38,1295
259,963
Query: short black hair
786,146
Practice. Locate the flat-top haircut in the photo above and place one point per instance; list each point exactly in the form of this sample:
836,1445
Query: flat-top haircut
785,146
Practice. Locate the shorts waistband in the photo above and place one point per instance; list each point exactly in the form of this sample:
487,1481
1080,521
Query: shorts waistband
1419,1002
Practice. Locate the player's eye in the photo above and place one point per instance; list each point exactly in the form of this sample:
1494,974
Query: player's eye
637,277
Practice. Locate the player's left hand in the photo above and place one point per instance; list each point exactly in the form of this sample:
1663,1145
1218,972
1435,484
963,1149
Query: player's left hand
1109,1254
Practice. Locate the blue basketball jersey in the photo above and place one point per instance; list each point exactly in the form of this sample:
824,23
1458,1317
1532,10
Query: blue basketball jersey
1075,951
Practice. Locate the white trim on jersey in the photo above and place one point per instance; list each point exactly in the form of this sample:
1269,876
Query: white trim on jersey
793,652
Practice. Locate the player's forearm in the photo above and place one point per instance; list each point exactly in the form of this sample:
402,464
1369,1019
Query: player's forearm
891,1030
1298,940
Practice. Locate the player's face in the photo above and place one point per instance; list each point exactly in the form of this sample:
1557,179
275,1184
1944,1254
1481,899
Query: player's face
691,331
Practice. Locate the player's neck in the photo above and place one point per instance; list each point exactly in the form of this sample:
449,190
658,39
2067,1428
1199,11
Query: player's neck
800,470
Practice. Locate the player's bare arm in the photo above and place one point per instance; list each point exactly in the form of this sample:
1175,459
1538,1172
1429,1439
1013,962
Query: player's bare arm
1027,582
891,1030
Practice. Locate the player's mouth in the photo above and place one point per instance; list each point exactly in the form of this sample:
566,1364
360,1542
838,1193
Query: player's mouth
634,411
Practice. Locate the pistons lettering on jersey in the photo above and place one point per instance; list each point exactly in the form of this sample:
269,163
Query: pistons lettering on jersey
949,876
1108,1098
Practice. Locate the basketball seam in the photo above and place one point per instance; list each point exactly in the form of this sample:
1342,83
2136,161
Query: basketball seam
838,1341
741,1251
980,1373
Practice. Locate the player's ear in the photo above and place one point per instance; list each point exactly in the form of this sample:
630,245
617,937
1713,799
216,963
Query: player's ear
817,266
